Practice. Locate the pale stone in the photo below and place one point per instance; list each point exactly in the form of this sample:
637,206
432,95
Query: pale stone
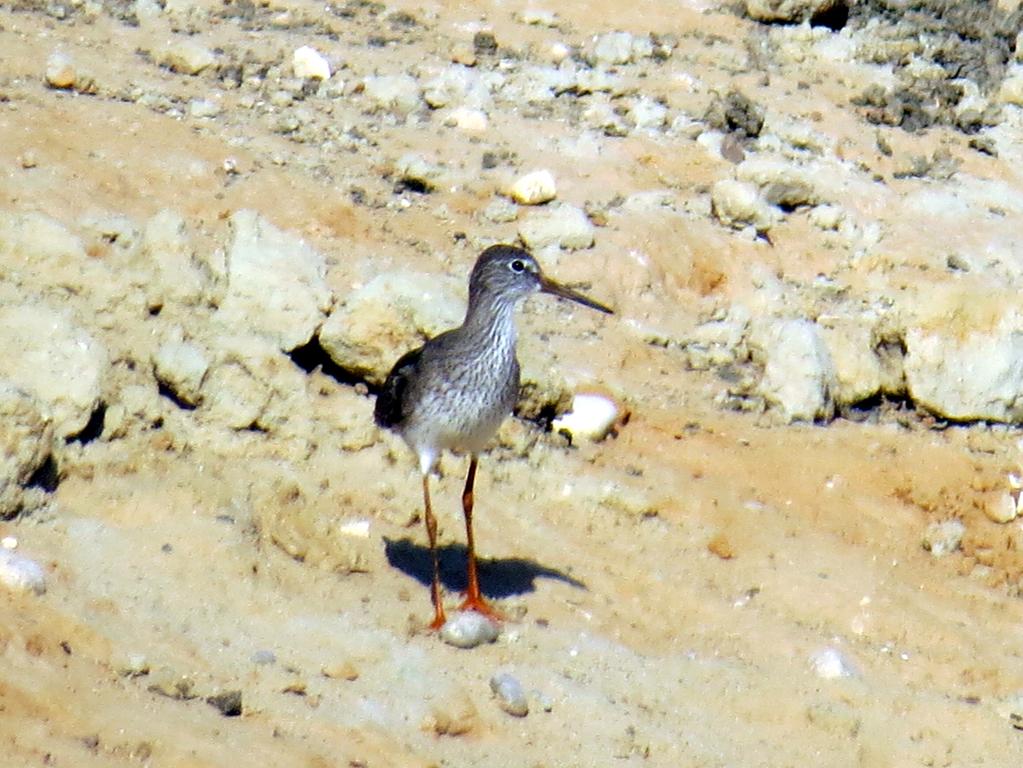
972,369
21,574
396,93
566,226
738,204
186,57
276,284
309,64
26,440
60,70
858,371
591,417
798,371
1001,507
534,188
944,537
46,354
181,366
392,313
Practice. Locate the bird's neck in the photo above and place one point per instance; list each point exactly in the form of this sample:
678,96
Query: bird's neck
492,321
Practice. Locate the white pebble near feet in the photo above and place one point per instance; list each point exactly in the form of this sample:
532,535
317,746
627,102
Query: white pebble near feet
467,629
510,696
20,574
591,417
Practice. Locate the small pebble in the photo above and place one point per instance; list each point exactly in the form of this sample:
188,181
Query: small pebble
943,538
467,629
1001,508
264,656
132,665
534,188
200,108
591,417
186,57
28,159
9,542
60,70
309,64
510,696
468,120
539,17
500,210
20,574
829,664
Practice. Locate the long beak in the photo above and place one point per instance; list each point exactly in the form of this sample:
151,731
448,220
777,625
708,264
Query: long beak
557,289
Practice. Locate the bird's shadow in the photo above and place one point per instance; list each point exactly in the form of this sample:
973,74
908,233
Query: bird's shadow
499,577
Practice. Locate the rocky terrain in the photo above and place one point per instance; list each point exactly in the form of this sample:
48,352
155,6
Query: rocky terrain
791,537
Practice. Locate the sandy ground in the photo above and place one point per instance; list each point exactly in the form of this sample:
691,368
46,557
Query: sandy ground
667,589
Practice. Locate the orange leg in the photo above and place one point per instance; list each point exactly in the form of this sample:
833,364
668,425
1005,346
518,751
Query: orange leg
473,597
431,533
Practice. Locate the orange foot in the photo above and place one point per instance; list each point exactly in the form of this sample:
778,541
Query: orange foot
439,619
479,605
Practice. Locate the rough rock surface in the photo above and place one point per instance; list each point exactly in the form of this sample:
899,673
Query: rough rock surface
275,283
798,372
25,444
44,352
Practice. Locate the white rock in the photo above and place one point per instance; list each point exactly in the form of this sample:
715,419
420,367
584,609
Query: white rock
500,210
309,64
1001,508
539,17
830,664
44,353
647,114
780,181
458,86
21,574
26,439
276,283
467,629
391,314
168,254
591,417
787,10
558,52
943,538
566,226
534,188
828,217
858,371
468,120
971,368
181,366
738,204
235,398
60,70
186,57
510,696
203,108
396,93
613,48
798,372
1011,91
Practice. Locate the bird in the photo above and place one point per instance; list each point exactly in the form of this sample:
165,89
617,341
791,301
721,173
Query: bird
453,392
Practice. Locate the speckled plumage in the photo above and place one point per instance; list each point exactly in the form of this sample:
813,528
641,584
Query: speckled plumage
454,391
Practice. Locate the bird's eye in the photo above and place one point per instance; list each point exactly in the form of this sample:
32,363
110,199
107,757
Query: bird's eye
518,266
